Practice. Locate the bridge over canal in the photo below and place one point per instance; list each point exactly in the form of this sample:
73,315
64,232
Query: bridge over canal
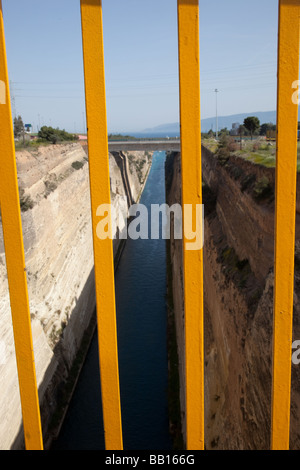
146,145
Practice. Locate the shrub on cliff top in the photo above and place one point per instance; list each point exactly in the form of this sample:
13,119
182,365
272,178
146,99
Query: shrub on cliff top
226,146
52,135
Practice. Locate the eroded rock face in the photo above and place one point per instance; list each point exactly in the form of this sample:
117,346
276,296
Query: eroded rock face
238,304
56,220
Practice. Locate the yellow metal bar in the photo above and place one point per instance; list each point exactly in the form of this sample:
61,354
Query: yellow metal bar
15,261
189,74
93,54
286,171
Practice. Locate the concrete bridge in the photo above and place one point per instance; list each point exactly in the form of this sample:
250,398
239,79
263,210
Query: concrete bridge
146,145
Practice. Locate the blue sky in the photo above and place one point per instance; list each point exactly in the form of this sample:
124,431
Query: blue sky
238,53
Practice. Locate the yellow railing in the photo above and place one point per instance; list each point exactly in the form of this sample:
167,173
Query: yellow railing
92,36
15,263
286,168
189,82
286,171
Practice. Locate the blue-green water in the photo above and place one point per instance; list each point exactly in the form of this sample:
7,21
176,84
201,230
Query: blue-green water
142,345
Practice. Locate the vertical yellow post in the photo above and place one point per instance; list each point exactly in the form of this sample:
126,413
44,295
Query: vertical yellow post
286,171
93,54
15,261
189,74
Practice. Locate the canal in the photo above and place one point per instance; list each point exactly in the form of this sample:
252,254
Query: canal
142,345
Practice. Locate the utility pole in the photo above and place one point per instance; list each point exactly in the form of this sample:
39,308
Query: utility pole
216,91
13,100
84,124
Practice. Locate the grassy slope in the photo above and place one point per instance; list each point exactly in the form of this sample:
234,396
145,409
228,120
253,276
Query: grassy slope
257,151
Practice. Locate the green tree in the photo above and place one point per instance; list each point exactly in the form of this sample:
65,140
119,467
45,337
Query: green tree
252,124
223,141
224,131
55,135
18,126
267,127
242,130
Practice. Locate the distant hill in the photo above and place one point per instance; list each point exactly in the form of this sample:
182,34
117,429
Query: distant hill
164,128
210,123
227,121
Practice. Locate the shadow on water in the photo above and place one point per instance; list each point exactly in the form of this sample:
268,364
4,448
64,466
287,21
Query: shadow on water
142,345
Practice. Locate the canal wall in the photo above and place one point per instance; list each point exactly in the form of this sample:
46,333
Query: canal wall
238,199
56,220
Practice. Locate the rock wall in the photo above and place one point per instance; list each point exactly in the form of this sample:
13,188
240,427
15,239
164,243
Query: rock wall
175,278
56,220
238,302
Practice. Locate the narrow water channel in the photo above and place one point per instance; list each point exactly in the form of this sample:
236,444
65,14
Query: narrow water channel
142,345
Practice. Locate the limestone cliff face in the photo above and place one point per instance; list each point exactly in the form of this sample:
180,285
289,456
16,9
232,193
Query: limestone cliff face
238,303
56,220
